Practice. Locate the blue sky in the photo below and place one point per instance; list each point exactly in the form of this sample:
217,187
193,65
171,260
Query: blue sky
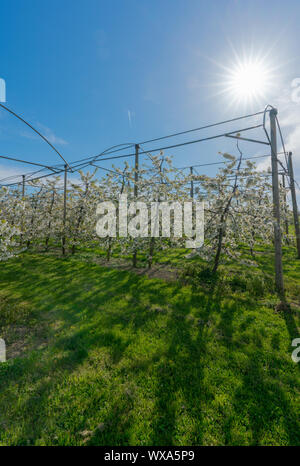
91,74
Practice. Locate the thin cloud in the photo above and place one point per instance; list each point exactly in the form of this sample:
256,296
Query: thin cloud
12,173
49,134
130,115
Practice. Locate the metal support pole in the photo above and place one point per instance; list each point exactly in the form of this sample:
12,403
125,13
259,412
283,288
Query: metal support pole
23,186
192,183
136,173
65,213
23,197
276,206
294,202
136,179
286,222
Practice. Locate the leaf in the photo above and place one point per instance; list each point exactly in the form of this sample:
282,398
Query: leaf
228,156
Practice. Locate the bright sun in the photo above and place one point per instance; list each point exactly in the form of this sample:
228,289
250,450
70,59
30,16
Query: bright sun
248,81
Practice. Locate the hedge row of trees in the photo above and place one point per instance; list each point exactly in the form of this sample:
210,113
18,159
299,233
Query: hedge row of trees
238,209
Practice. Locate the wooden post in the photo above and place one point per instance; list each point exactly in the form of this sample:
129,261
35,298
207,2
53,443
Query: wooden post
294,202
136,179
276,206
192,183
286,222
64,213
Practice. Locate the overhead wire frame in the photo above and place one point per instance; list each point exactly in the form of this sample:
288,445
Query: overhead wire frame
91,161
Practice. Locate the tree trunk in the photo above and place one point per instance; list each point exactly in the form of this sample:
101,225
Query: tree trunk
151,252
108,254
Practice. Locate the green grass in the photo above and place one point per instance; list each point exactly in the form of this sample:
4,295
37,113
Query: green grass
101,356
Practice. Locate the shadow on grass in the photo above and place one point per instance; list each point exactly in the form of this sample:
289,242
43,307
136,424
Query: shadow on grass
126,344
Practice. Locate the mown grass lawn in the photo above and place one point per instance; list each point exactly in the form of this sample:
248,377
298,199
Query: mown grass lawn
100,356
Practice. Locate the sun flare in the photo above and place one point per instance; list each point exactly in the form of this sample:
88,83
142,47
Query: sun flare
249,81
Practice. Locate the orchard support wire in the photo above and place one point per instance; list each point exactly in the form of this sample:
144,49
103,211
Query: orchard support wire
82,163
294,202
33,129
